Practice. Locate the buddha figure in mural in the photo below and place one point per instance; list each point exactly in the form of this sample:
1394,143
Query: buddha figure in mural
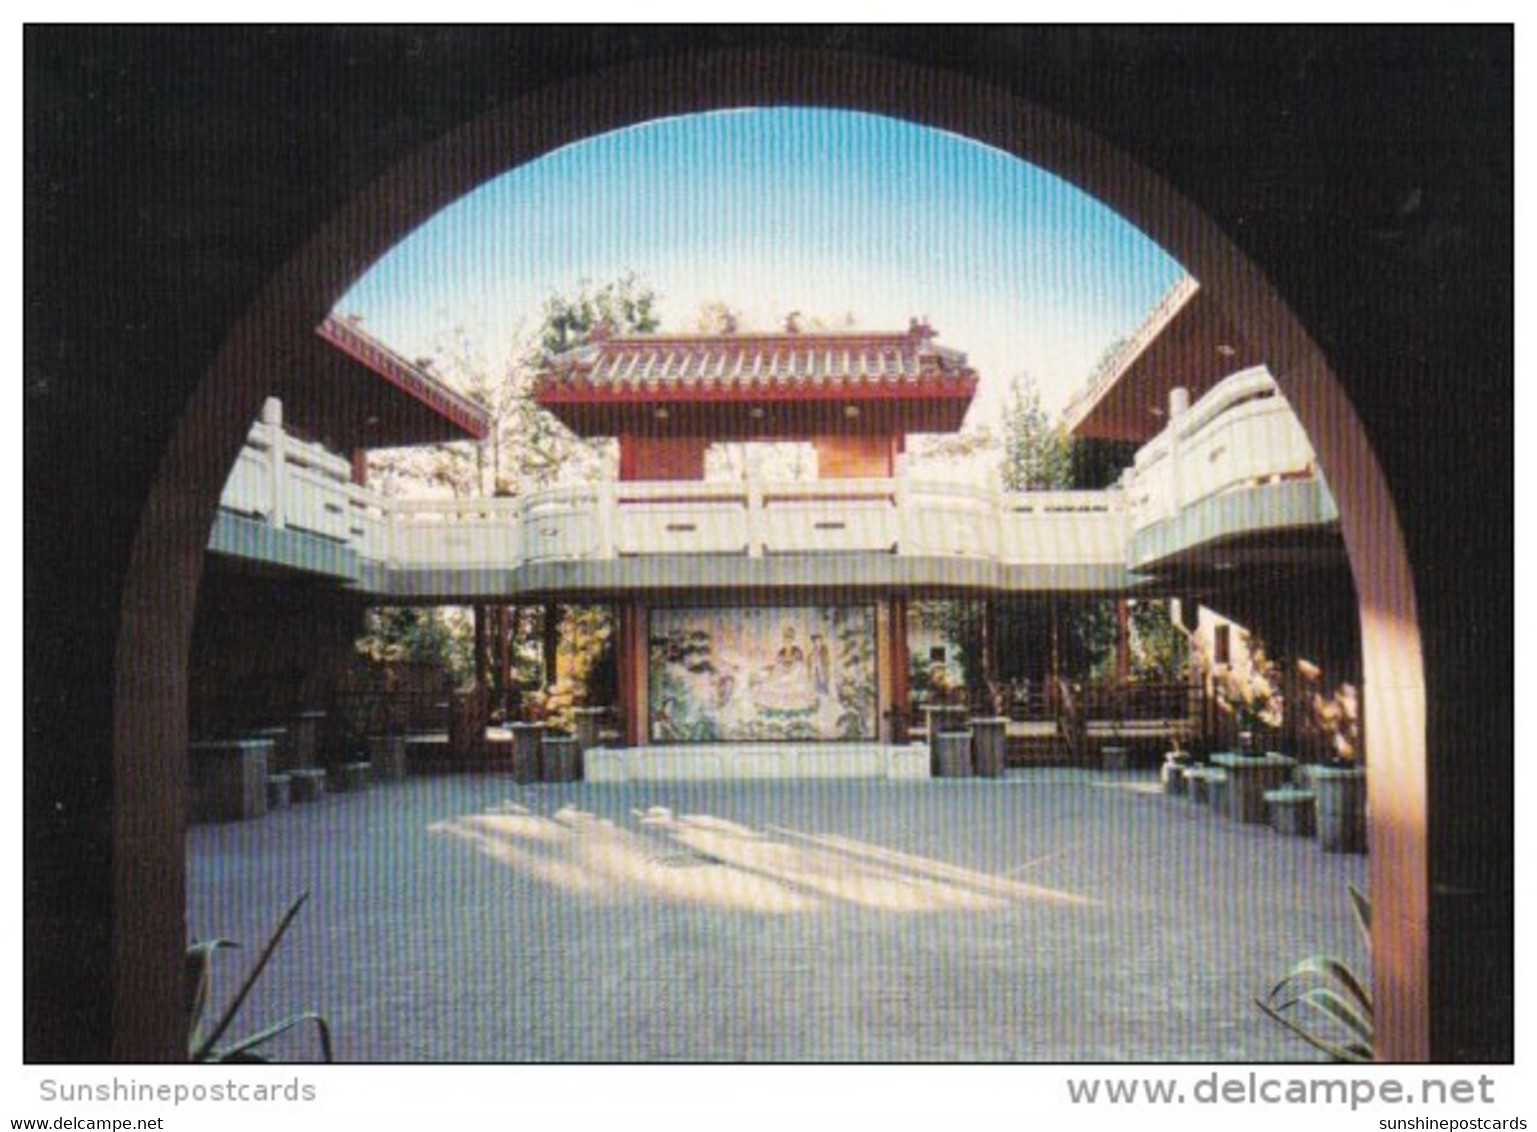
786,684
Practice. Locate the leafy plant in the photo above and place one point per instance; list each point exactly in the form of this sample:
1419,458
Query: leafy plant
1334,719
203,1046
1324,1002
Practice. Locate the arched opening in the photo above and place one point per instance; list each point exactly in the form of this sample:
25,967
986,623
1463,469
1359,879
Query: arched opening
150,703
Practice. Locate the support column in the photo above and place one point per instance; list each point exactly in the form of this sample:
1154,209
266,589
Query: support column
901,694
1056,655
506,622
1122,642
482,652
551,643
990,649
631,652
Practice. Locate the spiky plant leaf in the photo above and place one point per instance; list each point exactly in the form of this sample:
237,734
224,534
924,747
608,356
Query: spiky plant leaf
1340,1051
1363,910
241,1050
199,983
1328,968
202,1051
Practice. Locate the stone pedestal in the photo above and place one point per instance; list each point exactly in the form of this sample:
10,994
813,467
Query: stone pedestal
953,754
1248,777
988,738
937,720
1114,758
1216,790
351,777
1341,808
526,741
388,754
229,779
589,721
468,714
308,784
279,788
304,737
1172,774
589,730
1291,811
282,756
559,757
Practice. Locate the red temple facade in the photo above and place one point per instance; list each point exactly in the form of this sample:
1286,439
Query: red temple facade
792,657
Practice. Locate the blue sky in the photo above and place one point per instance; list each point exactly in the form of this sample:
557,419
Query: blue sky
774,210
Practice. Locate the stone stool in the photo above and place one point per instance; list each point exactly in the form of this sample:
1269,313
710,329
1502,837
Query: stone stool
279,787
352,777
309,784
1291,810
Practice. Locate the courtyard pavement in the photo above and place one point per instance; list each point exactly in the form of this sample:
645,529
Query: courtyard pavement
1051,916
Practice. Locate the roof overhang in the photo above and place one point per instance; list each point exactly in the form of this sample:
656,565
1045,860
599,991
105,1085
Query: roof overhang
349,391
760,386
1187,342
762,411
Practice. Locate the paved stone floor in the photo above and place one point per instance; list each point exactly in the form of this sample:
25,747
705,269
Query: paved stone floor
1054,915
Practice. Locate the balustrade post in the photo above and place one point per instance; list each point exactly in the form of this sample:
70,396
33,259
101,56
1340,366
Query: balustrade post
1179,403
607,501
756,532
277,462
899,497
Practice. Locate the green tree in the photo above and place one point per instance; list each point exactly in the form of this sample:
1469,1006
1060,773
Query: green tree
526,449
1037,454
1159,650
625,306
436,636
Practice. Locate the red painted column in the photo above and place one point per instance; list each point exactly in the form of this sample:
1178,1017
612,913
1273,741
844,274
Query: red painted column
900,693
632,653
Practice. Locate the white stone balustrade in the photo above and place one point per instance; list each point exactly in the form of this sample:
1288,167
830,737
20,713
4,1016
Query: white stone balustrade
1240,435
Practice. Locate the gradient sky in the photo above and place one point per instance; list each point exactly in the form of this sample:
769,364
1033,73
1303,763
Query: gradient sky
775,210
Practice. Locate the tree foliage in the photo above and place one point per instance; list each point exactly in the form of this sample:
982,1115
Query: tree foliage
625,306
1037,454
526,449
1159,649
440,637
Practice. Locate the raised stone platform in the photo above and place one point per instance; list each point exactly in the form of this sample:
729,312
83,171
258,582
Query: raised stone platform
711,762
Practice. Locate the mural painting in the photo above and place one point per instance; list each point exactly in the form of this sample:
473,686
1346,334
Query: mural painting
734,675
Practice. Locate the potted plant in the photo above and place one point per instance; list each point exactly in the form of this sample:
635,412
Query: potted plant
1339,781
1251,694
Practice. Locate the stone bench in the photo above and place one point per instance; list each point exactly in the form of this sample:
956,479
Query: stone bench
388,755
279,791
560,759
228,779
952,755
351,777
1206,785
1291,810
308,784
1114,758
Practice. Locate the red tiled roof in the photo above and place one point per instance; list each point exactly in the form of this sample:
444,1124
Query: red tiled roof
847,367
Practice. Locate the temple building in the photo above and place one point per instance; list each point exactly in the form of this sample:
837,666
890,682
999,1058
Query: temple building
760,623
760,612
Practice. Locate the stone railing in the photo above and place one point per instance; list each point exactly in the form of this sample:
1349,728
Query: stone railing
1241,434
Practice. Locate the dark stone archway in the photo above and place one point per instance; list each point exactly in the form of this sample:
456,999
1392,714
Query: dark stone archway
1367,173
